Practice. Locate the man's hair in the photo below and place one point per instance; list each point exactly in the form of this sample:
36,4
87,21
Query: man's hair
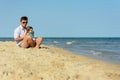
24,18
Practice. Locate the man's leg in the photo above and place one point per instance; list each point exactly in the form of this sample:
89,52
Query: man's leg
27,42
31,42
38,41
24,43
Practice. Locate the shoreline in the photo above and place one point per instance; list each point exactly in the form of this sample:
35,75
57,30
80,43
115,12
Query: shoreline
52,63
99,59
89,56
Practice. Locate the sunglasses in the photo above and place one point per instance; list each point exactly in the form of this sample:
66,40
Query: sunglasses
24,22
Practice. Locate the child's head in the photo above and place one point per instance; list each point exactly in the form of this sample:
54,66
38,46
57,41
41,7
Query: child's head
29,29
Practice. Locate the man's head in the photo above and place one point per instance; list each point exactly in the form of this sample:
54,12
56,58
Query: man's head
24,21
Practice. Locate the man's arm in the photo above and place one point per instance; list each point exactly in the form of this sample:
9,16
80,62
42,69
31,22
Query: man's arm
19,38
17,35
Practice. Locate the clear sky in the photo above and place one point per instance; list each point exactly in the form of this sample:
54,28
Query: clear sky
62,18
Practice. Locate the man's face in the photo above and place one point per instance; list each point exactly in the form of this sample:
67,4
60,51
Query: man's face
24,23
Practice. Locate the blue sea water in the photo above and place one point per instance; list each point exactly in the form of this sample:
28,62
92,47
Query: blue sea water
107,49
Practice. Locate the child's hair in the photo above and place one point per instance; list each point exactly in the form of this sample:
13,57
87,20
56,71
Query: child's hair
28,28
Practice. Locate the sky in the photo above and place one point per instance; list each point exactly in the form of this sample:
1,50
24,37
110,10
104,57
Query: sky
62,18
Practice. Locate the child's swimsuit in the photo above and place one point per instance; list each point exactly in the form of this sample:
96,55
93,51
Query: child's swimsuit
31,34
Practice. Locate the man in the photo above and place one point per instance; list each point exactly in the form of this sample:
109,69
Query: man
22,39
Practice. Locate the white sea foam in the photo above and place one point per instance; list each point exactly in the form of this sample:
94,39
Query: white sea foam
55,42
69,43
96,53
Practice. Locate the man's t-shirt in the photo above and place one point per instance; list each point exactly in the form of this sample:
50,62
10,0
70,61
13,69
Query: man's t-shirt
19,32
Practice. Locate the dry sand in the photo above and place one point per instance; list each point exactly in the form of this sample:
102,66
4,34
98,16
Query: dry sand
50,63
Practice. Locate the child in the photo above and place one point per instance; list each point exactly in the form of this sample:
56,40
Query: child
30,31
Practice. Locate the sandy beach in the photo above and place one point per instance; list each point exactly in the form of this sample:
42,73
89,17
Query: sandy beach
51,63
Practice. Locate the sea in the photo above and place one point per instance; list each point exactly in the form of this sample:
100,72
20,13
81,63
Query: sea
101,48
